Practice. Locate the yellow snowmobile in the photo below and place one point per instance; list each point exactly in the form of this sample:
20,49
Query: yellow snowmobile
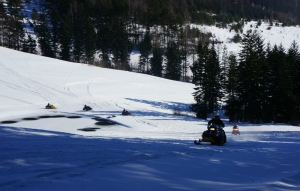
50,106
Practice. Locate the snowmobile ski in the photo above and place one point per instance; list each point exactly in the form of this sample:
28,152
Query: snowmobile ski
197,142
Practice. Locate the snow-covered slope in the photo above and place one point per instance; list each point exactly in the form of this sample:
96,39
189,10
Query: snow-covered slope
275,35
67,149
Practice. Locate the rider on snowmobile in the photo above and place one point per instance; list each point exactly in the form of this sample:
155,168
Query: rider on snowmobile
216,120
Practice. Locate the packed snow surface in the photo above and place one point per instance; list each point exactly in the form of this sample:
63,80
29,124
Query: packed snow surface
70,149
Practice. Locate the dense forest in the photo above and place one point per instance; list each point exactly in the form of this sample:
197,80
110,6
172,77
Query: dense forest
260,84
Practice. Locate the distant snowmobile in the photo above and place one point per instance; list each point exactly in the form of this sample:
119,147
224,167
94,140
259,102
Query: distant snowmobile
87,108
235,130
214,134
125,112
50,106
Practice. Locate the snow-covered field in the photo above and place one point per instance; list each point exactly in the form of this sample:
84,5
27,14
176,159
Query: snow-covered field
150,150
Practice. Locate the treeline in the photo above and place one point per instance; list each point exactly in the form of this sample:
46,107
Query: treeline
108,30
259,85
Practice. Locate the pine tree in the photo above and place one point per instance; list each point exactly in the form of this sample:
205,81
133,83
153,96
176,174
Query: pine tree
293,58
29,44
173,62
15,26
78,33
206,77
156,62
213,73
89,40
282,86
250,74
231,84
65,39
145,49
198,78
55,30
44,36
3,25
121,45
224,67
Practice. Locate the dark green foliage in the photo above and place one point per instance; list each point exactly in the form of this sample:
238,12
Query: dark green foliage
262,85
44,36
282,85
237,38
89,40
57,32
206,77
65,39
230,86
156,62
145,49
121,45
173,62
250,73
14,32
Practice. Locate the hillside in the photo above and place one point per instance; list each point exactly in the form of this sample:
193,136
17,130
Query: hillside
163,39
71,149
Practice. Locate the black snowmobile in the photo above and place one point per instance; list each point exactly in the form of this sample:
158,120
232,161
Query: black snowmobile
214,134
87,108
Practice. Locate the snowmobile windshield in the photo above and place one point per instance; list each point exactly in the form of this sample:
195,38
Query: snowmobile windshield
214,125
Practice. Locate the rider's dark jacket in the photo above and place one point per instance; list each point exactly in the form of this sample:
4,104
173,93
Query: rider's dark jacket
216,121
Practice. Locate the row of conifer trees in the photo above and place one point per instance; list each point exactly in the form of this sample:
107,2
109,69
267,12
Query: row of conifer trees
260,84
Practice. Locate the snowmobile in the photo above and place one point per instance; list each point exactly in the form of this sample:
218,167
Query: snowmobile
87,108
125,112
49,106
214,134
235,130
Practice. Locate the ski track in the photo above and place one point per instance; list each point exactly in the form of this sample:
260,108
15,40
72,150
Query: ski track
17,100
87,87
32,87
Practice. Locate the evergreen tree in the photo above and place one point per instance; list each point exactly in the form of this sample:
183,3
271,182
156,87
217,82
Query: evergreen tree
250,75
213,72
231,84
156,62
224,67
44,36
293,58
29,44
78,34
206,77
14,24
198,78
145,49
55,29
3,27
89,39
173,62
282,86
184,51
65,39
121,45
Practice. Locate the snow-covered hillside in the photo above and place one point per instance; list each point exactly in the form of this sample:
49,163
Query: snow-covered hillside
71,149
274,35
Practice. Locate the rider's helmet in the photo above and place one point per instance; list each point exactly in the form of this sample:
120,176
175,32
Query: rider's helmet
217,117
